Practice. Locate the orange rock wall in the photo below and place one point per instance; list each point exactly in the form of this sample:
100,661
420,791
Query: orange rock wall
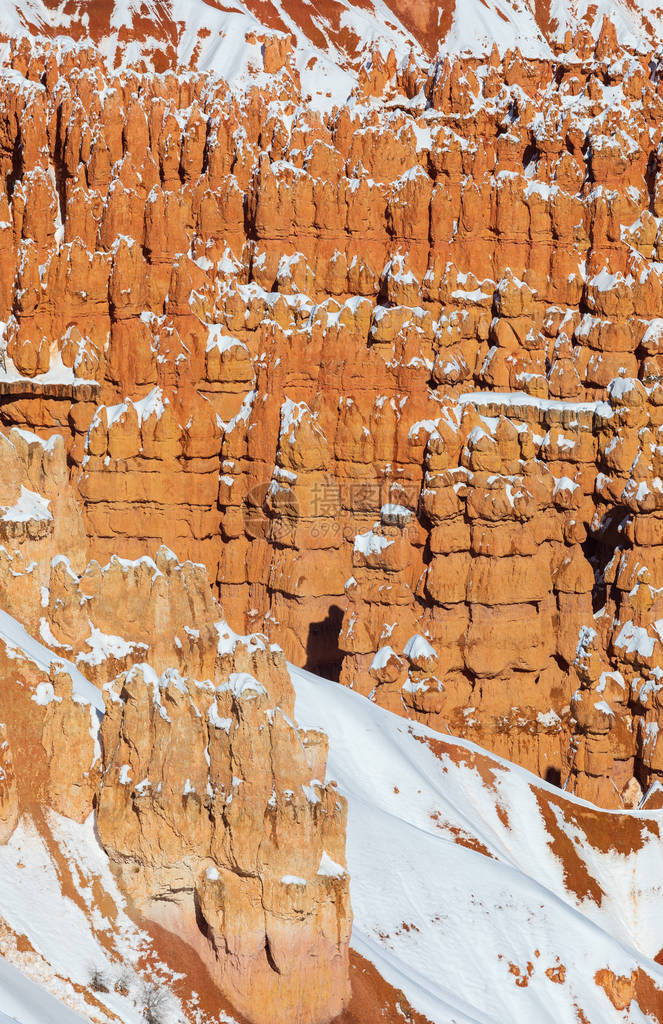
259,327
126,695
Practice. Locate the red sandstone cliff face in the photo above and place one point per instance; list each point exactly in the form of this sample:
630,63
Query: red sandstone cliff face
209,801
390,378
262,329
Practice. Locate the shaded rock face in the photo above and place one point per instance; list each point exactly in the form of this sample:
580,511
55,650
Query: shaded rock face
264,329
49,749
209,801
533,624
219,829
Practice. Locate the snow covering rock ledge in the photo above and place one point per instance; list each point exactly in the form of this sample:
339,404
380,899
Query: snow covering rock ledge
485,894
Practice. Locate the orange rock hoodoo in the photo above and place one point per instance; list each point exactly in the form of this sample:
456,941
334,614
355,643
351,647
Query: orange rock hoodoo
267,334
126,694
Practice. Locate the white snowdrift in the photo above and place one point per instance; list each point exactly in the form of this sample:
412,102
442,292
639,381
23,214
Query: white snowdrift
450,925
329,44
24,1002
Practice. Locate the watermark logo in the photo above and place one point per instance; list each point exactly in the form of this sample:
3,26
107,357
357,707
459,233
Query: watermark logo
255,519
270,512
273,511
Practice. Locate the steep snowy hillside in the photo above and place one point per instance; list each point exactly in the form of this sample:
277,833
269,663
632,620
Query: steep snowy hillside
24,1002
63,918
331,38
483,893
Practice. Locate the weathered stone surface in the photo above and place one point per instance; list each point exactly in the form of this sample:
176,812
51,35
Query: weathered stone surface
262,331
209,801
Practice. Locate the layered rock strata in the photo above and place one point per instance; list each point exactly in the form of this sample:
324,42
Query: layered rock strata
125,694
262,329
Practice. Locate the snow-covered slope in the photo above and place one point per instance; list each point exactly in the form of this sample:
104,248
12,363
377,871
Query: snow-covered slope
24,1002
62,917
19,643
332,37
535,27
480,891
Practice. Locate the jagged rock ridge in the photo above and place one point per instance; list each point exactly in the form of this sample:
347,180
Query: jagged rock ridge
390,375
268,334
140,705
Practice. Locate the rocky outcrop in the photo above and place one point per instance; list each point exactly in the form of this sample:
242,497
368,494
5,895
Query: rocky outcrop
234,843
9,812
370,367
139,704
476,628
50,750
